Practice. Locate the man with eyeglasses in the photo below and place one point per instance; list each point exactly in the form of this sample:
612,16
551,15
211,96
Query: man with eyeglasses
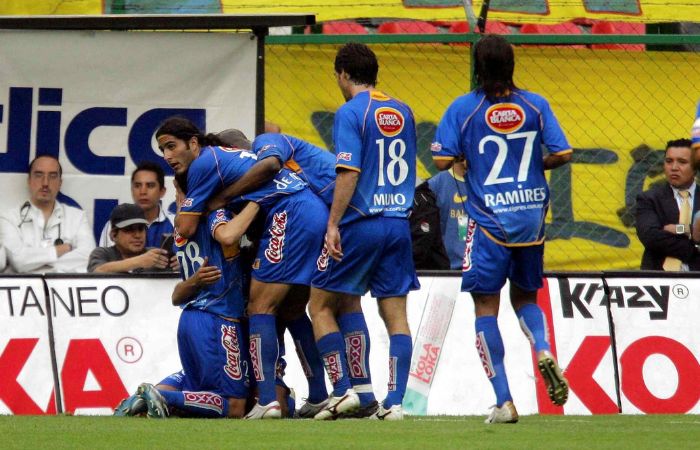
43,234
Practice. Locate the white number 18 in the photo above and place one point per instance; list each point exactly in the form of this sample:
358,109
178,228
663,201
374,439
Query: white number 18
396,150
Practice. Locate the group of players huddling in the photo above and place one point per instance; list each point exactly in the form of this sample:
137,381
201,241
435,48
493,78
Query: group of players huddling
336,226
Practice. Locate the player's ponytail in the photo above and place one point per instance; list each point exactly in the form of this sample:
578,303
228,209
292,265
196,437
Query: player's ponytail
495,64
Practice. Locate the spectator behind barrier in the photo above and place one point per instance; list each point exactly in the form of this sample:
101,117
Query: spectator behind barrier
43,234
428,247
663,214
451,194
129,253
147,191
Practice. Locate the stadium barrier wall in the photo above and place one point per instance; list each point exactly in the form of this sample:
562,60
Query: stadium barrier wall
628,341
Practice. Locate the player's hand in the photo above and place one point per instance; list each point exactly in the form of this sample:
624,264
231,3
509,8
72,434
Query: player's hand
333,242
206,274
155,258
174,263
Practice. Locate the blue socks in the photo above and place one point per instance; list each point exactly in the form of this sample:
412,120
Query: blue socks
400,349
303,335
263,354
198,404
490,347
532,322
357,346
332,350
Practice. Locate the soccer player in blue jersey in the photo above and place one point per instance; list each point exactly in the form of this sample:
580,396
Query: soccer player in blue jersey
214,381
500,129
368,242
293,235
316,166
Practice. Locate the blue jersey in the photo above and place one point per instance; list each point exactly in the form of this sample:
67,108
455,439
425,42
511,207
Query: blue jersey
502,144
218,167
314,165
695,132
225,297
450,191
375,135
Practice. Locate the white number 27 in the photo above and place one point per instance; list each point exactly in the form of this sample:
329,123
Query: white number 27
494,174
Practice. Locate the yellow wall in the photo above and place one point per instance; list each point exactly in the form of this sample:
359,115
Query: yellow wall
614,100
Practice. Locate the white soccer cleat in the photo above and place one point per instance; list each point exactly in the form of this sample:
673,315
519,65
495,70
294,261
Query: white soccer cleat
394,412
505,414
270,411
309,410
337,405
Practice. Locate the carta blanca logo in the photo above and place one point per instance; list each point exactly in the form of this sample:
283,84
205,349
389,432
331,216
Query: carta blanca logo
582,297
37,112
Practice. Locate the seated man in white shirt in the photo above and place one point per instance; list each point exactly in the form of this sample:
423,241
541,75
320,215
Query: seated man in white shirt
147,191
43,234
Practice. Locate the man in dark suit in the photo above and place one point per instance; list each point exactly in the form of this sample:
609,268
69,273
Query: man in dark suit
664,214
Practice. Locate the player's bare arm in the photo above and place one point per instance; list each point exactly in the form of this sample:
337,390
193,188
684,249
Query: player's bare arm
188,288
231,232
554,160
186,224
262,172
345,184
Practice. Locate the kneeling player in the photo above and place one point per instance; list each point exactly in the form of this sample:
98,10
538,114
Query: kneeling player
211,340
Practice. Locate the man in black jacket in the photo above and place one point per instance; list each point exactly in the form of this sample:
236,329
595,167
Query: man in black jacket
664,214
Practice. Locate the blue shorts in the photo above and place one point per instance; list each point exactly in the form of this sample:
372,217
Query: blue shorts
377,256
486,264
213,353
294,231
175,380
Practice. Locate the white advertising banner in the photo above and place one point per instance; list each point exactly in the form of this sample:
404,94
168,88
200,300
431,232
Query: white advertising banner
94,99
658,343
580,337
27,384
111,335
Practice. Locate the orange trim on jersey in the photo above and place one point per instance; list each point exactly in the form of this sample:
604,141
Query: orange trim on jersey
696,145
357,209
506,244
564,152
343,166
292,165
378,95
190,213
444,158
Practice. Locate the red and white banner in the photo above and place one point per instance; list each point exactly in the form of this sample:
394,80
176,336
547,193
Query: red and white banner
26,376
580,339
658,343
111,334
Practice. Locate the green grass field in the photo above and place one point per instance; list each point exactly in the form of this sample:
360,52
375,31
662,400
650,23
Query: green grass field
619,432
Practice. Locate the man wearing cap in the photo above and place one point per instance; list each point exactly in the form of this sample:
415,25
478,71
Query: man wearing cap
128,254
